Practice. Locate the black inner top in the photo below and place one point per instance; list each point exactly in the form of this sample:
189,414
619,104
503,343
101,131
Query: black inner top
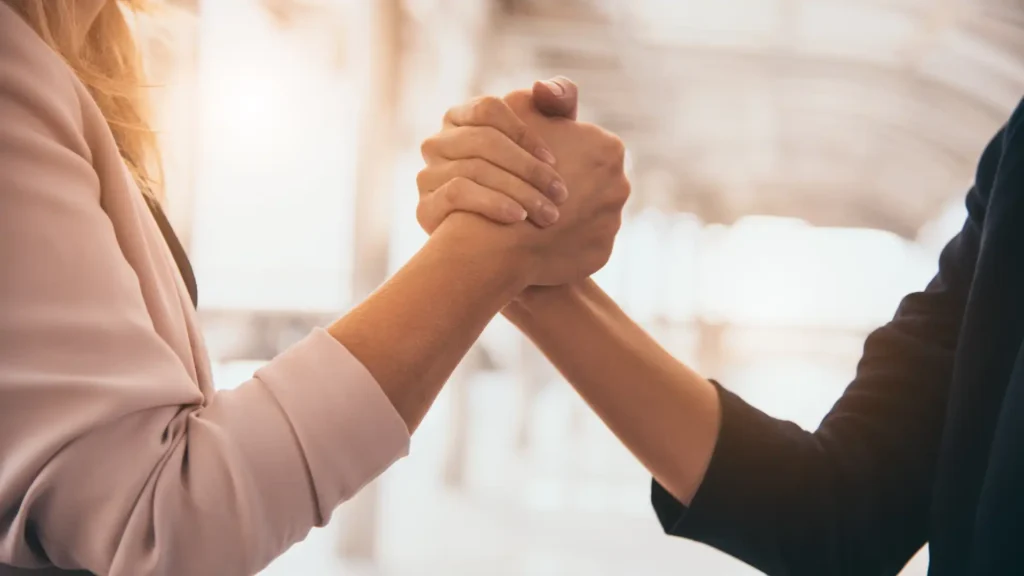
180,258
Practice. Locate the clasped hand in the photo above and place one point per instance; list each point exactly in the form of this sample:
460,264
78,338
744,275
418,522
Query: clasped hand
523,161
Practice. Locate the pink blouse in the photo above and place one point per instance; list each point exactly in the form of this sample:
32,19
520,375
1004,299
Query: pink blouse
116,455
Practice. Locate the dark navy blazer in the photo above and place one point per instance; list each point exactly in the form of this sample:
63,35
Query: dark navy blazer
925,445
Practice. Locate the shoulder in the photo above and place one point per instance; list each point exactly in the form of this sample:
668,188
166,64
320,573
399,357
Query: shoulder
38,92
1013,136
1016,123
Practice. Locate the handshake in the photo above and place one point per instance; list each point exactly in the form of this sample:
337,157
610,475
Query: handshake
524,161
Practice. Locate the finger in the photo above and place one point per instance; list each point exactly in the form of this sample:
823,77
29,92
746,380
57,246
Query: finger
558,96
493,112
488,144
468,196
539,209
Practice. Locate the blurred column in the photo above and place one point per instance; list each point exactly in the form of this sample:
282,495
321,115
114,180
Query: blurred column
404,97
455,456
170,43
376,65
711,354
534,374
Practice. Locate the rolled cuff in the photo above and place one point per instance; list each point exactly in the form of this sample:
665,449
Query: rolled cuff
716,512
348,429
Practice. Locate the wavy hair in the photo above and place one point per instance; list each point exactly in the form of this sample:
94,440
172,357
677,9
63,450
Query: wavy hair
107,60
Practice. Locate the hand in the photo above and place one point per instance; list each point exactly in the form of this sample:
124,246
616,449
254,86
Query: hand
590,160
487,161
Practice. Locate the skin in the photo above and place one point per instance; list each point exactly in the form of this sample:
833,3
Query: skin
664,412
413,331
508,186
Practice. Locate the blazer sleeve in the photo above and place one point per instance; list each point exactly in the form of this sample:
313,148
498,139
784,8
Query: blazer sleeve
111,458
853,496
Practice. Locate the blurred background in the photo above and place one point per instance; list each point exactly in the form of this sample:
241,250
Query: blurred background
797,166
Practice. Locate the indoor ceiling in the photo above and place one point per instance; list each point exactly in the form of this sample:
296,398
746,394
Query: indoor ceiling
865,113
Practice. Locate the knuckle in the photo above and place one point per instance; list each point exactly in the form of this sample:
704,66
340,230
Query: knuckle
449,115
486,109
618,148
596,260
609,149
427,147
614,148
623,190
592,131
456,189
519,99
422,178
422,212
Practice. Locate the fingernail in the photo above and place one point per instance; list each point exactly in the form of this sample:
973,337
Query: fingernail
546,156
516,213
555,87
548,215
558,192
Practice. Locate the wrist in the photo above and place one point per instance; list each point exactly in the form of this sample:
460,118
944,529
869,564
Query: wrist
537,301
490,249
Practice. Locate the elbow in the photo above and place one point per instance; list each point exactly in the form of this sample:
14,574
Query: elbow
175,532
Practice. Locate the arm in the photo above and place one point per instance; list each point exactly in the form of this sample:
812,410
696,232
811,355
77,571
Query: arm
414,330
850,498
111,458
647,397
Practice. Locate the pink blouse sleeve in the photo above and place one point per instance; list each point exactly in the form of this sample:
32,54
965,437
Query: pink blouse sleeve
111,458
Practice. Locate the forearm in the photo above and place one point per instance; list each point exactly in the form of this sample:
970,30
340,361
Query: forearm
851,492
664,412
413,331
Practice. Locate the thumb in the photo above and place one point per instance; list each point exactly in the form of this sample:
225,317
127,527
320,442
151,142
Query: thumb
556,97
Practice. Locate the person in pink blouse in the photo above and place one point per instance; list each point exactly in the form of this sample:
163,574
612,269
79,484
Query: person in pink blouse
116,454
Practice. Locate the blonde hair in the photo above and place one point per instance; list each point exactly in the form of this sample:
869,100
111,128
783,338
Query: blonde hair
106,59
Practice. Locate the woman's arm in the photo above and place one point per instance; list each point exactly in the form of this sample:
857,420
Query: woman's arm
414,330
112,460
